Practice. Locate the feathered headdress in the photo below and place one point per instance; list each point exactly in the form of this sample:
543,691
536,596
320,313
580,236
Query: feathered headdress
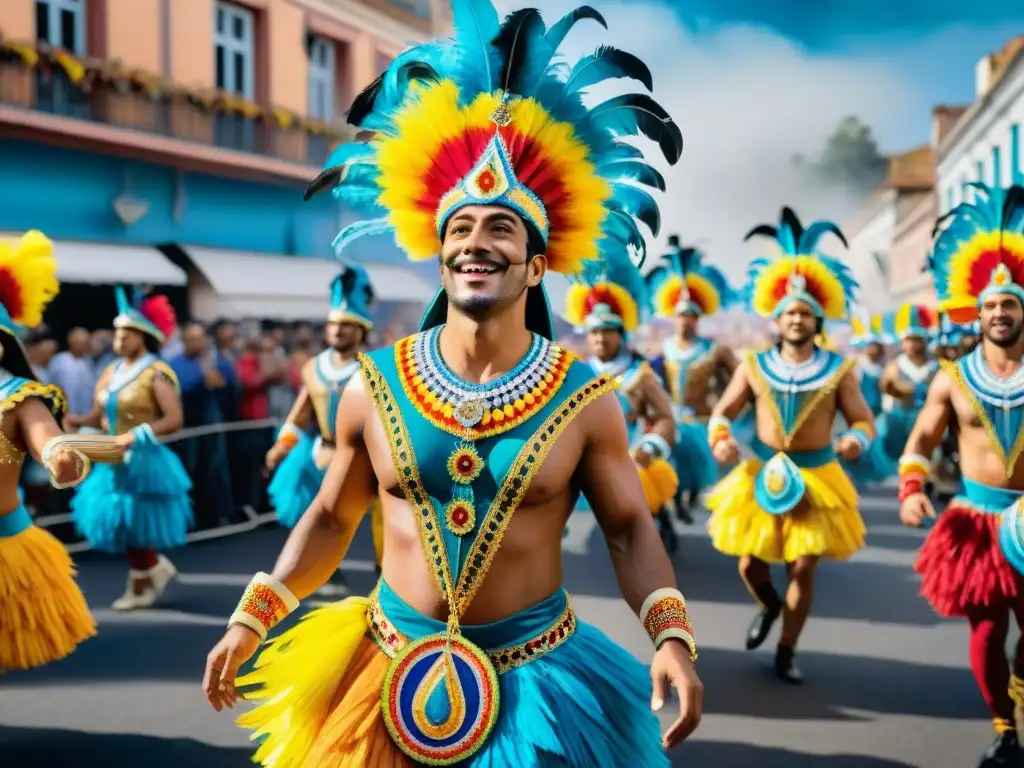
799,272
684,283
493,116
149,313
979,251
609,294
867,329
28,282
914,320
351,297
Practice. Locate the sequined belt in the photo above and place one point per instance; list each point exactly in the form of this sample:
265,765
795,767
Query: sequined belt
391,641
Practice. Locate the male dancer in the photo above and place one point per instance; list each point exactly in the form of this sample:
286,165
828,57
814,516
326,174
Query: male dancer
300,462
609,308
695,368
475,432
870,340
792,503
978,266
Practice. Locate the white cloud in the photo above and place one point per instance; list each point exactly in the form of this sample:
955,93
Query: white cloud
746,100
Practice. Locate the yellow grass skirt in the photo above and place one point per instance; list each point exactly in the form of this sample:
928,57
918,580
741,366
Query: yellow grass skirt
831,526
660,483
43,615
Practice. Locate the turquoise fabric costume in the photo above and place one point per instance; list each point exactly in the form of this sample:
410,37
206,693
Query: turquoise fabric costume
298,477
144,502
898,418
586,703
874,465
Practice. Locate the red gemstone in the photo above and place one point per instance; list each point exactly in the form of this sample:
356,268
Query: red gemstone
460,516
485,181
465,464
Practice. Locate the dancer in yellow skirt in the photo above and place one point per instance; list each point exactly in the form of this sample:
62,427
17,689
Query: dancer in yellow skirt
792,503
43,616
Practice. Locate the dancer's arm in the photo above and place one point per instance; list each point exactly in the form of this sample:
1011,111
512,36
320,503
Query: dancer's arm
37,427
925,437
891,384
298,418
857,439
726,359
661,426
736,395
609,480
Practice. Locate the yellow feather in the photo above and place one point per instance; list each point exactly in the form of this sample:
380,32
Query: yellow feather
30,264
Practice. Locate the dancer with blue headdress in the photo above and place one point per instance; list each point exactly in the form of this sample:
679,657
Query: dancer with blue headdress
972,558
694,368
298,460
792,503
609,304
141,507
478,434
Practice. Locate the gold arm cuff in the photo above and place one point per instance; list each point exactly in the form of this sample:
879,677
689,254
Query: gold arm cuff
98,448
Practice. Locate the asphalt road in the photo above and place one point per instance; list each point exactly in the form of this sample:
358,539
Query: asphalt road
888,683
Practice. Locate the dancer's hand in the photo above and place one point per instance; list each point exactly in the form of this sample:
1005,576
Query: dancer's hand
234,649
671,666
849,448
914,509
125,439
642,458
275,456
64,466
726,451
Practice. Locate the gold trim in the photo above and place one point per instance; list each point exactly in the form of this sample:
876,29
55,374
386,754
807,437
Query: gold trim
52,395
517,482
1009,462
761,386
404,459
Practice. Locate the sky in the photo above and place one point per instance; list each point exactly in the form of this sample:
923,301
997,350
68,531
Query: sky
751,82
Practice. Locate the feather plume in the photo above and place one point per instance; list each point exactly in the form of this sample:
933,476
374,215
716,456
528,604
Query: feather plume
28,277
556,35
636,113
637,203
359,229
158,310
631,170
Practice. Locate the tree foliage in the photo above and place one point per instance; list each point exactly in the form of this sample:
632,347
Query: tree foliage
850,158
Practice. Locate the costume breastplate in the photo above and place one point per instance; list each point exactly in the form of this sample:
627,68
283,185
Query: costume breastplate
920,376
325,381
998,402
125,392
466,453
13,391
684,366
793,391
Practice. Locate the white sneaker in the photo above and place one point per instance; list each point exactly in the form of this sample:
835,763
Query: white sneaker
130,601
162,574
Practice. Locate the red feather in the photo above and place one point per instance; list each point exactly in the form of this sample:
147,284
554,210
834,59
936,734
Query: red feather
11,295
158,310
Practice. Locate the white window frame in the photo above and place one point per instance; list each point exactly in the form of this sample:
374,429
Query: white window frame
77,9
232,45
322,77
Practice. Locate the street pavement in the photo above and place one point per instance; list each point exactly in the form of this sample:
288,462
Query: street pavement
888,684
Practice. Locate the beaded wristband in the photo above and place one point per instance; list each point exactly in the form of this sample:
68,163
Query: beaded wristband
264,603
656,446
664,616
719,429
915,464
288,436
863,432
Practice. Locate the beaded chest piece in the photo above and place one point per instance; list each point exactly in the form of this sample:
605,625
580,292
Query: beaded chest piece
998,403
792,391
681,362
440,698
325,384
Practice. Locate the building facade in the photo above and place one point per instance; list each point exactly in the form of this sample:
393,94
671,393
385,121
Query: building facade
984,144
152,138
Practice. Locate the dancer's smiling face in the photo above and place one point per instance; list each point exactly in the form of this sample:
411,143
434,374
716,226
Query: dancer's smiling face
797,323
489,258
1002,319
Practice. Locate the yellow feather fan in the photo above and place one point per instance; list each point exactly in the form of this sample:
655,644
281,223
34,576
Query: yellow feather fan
28,277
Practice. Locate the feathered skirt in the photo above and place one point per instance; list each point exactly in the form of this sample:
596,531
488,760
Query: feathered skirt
140,504
585,703
43,615
961,563
296,482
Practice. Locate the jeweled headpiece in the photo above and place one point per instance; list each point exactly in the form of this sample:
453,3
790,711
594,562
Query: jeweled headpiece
799,272
149,313
979,251
610,293
494,117
683,283
915,320
351,297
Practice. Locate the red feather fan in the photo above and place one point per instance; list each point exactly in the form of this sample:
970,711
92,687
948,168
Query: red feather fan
158,310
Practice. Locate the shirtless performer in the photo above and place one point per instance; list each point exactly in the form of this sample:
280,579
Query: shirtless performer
694,368
978,269
609,306
792,503
476,433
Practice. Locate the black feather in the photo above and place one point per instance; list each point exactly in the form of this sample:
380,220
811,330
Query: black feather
622,113
673,241
1013,203
519,29
362,105
561,28
327,179
789,217
761,229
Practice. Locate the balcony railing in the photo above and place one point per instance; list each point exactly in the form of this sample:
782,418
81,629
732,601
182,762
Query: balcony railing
213,119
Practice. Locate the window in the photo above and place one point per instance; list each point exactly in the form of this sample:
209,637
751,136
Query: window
234,40
62,23
1016,174
997,167
322,55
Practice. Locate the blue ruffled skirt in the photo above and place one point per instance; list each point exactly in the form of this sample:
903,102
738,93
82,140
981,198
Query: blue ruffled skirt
695,465
296,482
140,504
